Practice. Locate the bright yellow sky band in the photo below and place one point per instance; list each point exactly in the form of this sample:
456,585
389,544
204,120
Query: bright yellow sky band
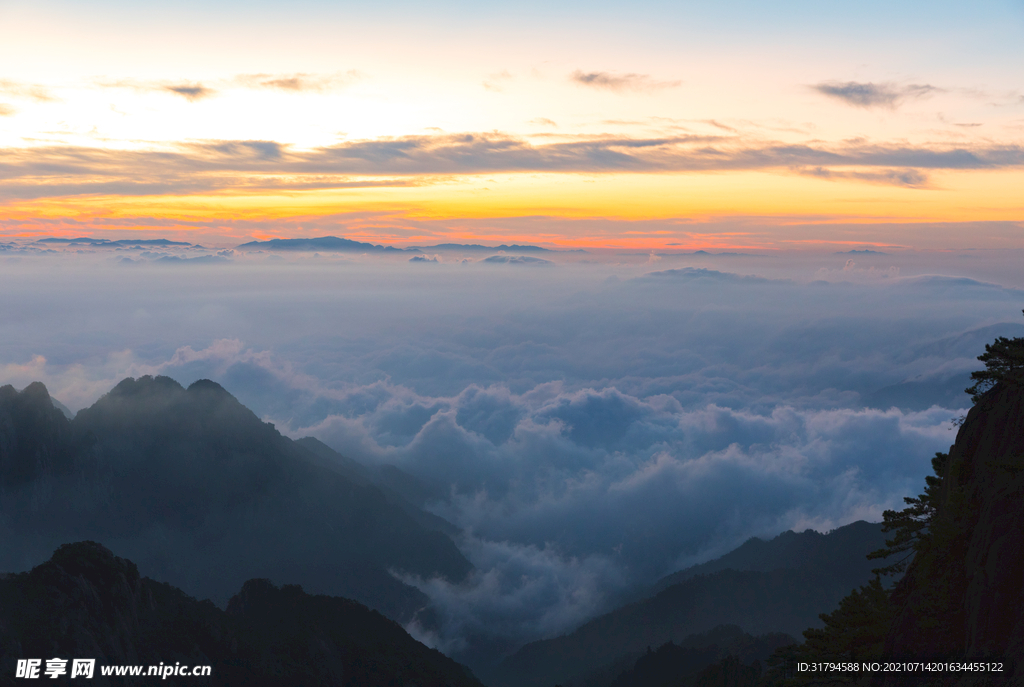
749,209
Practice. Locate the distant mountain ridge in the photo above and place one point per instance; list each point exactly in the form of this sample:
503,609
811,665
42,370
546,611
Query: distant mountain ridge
791,550
943,389
323,243
117,242
205,495
476,247
517,260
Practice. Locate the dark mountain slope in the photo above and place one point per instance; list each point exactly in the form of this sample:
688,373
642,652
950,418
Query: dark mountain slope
787,597
196,488
87,603
843,551
399,488
678,664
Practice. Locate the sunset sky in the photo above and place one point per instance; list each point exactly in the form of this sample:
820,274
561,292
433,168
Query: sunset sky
648,125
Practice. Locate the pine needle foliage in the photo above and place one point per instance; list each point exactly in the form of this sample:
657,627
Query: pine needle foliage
911,524
853,633
1004,362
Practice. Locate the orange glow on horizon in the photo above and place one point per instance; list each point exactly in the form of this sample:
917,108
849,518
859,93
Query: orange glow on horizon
752,210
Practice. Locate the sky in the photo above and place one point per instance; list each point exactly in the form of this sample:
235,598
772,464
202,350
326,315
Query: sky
653,125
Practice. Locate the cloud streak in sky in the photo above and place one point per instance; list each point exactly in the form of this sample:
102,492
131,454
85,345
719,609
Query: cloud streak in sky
28,91
215,165
190,92
910,178
868,95
298,82
620,82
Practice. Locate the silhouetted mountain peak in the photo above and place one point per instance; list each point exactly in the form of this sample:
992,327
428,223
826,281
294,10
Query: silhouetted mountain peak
166,391
91,560
146,385
158,410
260,595
36,393
88,564
35,437
206,396
209,387
32,403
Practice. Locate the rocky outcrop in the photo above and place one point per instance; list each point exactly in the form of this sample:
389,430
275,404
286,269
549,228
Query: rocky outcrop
962,597
87,603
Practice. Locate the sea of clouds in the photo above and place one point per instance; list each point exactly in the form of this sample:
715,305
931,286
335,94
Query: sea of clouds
591,425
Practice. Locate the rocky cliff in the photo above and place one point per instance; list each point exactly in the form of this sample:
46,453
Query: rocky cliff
963,595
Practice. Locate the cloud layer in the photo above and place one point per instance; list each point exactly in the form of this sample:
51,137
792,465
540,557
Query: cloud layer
590,427
256,164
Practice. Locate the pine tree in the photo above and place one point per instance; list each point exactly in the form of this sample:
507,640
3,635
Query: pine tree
1004,362
853,633
911,524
